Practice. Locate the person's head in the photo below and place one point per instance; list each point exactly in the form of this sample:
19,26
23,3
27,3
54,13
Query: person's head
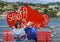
30,24
17,24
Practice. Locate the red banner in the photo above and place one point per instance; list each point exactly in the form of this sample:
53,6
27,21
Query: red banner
44,37
26,14
8,36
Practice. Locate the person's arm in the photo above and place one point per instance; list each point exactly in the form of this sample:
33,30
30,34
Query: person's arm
35,34
26,39
25,29
26,34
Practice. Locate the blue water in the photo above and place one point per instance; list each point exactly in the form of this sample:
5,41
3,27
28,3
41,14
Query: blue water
3,22
53,22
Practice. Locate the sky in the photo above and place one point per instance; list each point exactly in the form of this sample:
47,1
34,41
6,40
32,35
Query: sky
33,1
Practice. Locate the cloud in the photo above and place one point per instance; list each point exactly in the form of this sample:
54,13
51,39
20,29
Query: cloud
11,0
56,0
33,1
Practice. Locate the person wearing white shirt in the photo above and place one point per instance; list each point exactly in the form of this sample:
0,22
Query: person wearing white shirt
18,33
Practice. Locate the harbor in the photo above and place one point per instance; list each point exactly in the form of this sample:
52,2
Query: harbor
53,27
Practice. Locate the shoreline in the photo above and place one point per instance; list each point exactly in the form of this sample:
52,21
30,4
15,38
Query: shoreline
5,18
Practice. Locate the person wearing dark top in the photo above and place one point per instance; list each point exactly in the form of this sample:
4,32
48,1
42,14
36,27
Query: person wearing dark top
31,32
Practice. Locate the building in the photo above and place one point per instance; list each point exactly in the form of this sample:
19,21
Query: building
58,14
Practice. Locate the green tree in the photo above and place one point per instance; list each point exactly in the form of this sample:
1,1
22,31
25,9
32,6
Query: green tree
50,12
45,11
45,5
15,6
